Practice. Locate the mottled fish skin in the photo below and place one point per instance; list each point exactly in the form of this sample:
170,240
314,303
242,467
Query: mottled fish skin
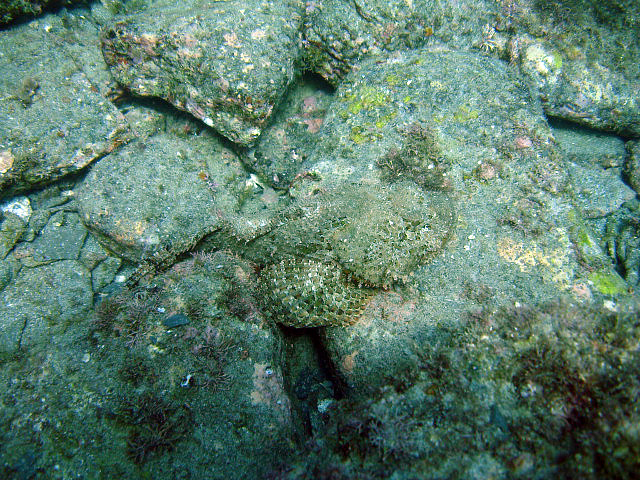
328,255
307,293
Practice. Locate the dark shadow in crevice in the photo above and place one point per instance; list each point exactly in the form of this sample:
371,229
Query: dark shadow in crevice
564,124
310,376
58,7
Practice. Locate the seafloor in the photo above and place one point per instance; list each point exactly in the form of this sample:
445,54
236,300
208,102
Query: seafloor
324,239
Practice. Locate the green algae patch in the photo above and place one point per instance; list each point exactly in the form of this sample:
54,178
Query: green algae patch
464,114
364,134
608,282
368,99
586,246
393,79
382,121
557,60
371,101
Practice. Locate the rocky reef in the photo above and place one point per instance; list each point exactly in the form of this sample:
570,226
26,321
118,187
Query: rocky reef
322,239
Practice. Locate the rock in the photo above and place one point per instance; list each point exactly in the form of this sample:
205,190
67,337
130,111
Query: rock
104,273
53,120
416,105
227,65
290,137
161,391
588,74
160,196
61,239
572,90
11,10
41,302
599,192
338,35
590,147
595,165
12,227
632,165
224,364
176,320
622,240
6,273
103,265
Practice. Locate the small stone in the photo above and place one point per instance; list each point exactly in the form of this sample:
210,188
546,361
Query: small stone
176,320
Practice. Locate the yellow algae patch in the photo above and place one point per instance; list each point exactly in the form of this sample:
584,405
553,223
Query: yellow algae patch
550,262
135,227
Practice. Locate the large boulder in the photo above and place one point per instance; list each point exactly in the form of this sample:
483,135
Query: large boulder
53,119
160,195
228,65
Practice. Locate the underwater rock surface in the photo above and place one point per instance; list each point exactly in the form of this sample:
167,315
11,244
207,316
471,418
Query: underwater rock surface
11,10
408,273
53,119
171,201
41,302
555,44
227,65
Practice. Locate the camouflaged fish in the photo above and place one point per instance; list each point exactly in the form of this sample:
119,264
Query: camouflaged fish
327,255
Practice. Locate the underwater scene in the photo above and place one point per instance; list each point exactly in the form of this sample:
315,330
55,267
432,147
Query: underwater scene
319,239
